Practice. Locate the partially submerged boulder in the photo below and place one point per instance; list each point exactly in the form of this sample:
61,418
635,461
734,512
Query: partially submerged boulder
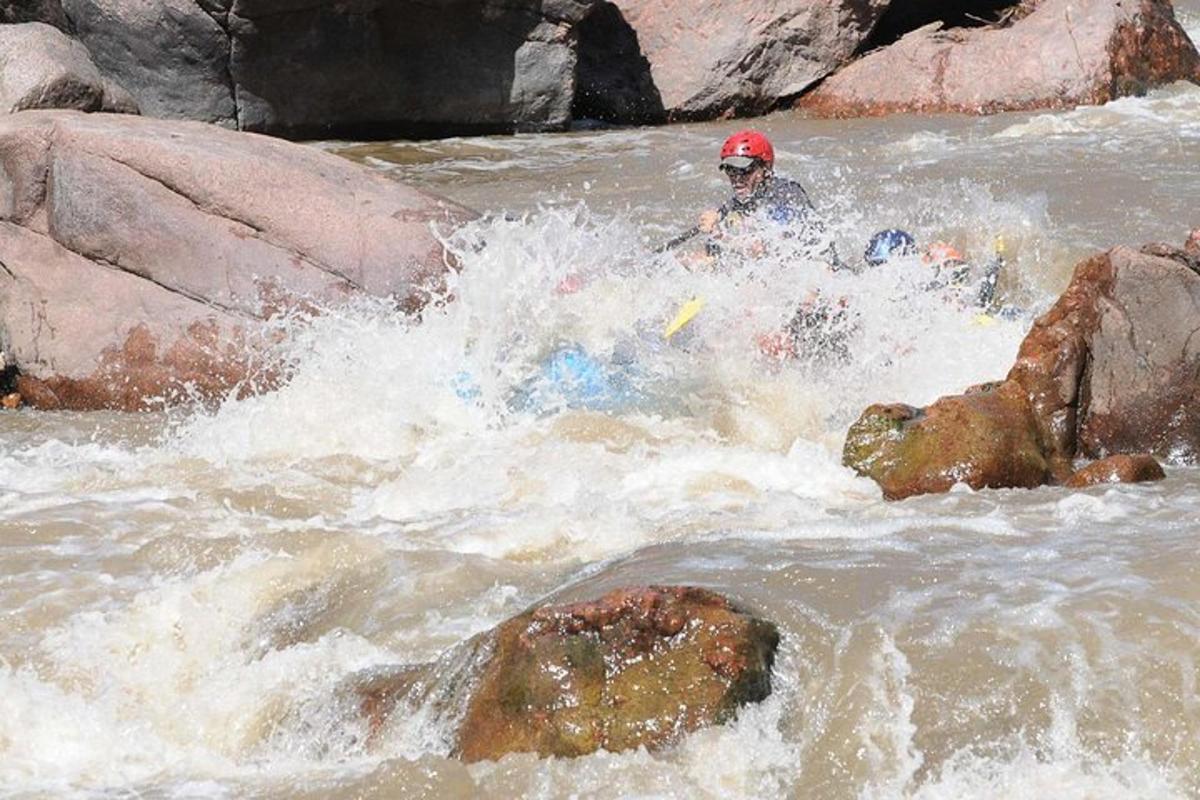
41,67
140,257
1064,53
638,667
1112,368
985,439
1138,468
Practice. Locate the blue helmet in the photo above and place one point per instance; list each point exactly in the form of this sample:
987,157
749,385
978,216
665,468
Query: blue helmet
887,244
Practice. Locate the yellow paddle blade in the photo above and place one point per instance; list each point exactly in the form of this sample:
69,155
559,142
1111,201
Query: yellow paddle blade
687,312
983,320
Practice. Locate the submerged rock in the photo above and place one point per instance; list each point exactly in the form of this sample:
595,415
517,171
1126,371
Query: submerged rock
1063,53
1118,469
638,667
1112,368
141,257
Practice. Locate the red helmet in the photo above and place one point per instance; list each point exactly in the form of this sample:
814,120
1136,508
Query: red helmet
749,144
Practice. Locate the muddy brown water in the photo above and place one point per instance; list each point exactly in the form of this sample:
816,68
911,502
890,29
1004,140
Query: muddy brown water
182,594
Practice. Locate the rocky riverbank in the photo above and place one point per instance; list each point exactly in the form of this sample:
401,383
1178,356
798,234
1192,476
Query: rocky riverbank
395,69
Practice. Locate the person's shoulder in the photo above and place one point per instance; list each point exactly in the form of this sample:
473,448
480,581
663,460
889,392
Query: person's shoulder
789,191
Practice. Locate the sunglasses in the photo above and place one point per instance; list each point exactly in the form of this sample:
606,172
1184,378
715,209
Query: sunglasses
738,172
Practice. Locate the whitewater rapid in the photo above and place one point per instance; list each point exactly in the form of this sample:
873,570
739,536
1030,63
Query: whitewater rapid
184,594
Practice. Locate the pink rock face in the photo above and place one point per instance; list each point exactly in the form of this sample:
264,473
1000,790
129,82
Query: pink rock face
140,255
1064,53
712,58
43,68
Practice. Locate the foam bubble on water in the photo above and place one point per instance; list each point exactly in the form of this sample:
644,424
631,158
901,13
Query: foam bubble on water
1072,776
1170,111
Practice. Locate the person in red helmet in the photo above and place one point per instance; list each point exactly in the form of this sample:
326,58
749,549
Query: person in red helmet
748,161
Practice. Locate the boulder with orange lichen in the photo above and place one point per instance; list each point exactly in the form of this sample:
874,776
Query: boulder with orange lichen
638,667
1139,468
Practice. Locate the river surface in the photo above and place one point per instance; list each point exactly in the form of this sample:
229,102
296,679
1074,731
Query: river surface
181,595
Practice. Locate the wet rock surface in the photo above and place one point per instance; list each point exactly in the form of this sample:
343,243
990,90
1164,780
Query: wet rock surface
638,667
985,439
140,257
1112,368
1139,468
1063,53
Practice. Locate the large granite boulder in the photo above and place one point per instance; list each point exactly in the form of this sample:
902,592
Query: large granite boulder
1112,368
41,67
140,256
737,57
312,67
1114,365
637,667
172,55
1064,53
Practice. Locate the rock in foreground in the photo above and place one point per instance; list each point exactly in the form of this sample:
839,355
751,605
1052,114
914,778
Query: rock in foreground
140,257
1064,53
638,667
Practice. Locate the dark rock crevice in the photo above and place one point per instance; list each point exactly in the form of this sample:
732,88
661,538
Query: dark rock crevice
905,16
612,76
47,11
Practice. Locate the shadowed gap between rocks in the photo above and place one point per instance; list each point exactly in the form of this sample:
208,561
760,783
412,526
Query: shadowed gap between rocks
905,16
47,11
612,77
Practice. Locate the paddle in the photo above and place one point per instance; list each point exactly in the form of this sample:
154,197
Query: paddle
687,312
677,240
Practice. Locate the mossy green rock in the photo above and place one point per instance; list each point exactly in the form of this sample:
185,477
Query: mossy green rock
638,667
986,438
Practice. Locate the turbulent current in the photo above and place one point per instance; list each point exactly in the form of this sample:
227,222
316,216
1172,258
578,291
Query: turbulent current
183,594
